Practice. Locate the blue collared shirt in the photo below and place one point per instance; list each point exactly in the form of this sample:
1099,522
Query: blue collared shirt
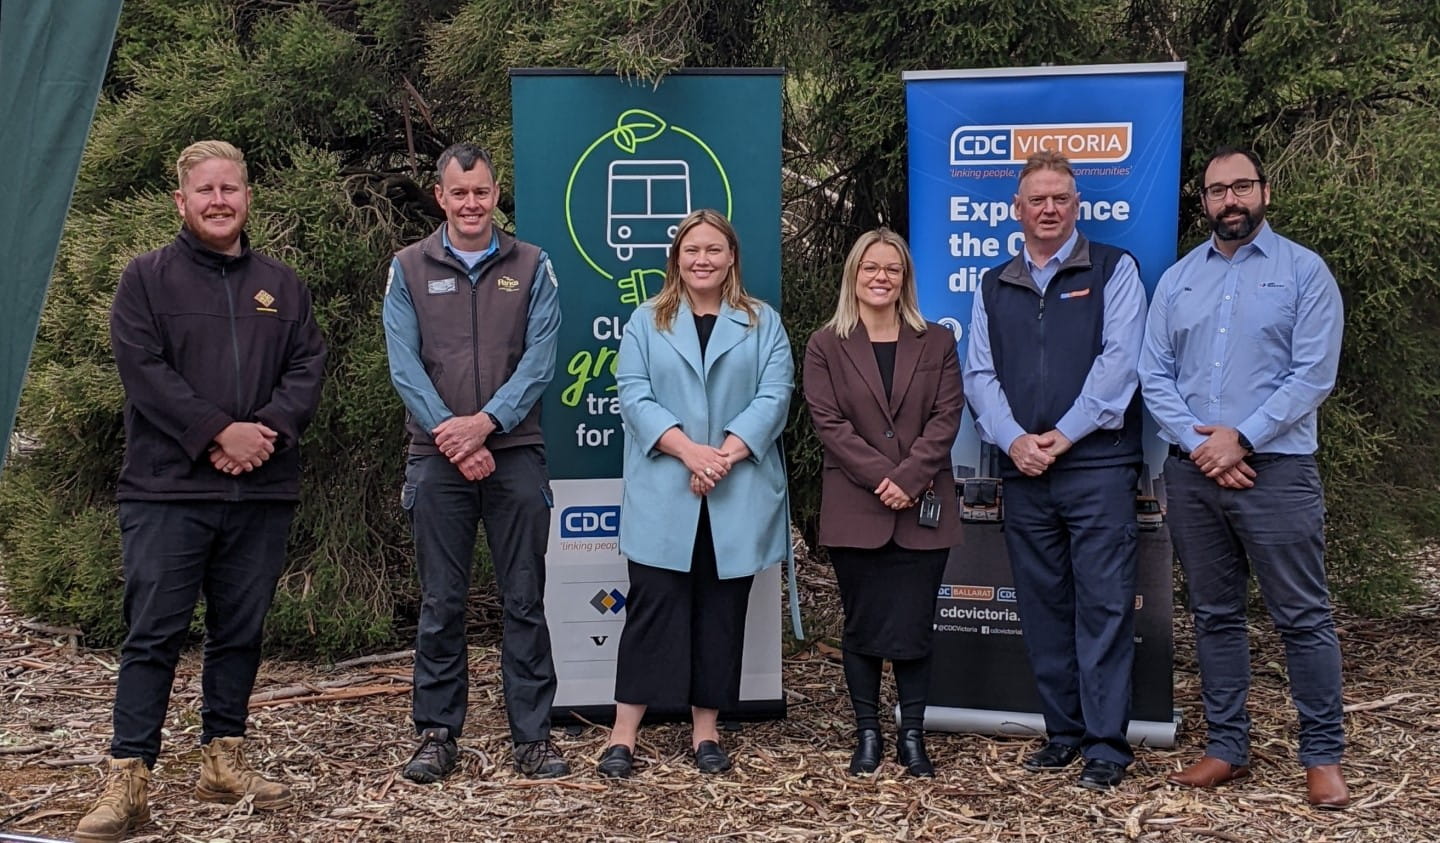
1250,342
1108,387
514,399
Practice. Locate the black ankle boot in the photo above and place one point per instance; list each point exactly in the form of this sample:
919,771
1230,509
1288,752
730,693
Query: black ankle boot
910,752
868,751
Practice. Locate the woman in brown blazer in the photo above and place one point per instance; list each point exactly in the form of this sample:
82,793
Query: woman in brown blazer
884,391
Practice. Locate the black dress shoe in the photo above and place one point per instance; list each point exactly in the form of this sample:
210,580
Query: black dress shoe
869,749
711,758
910,752
617,762
1051,756
1100,774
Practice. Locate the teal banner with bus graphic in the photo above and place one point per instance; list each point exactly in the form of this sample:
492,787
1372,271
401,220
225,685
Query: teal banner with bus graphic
605,169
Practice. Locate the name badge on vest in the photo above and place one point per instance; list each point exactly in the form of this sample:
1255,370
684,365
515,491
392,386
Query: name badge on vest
441,285
1075,294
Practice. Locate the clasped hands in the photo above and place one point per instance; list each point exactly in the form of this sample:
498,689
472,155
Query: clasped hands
1222,457
462,440
893,496
242,447
708,465
1033,453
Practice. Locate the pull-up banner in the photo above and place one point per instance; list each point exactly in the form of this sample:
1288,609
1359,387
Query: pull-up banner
605,169
52,61
970,132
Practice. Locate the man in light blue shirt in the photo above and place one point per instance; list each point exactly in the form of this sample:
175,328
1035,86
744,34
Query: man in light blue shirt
471,322
1050,377
1241,347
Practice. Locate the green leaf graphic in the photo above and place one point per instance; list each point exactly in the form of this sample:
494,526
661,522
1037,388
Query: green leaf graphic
635,126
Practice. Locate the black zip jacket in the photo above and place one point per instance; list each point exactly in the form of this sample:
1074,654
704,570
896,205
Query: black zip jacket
202,340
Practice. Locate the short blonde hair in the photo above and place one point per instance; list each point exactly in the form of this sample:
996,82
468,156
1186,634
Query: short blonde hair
202,151
847,308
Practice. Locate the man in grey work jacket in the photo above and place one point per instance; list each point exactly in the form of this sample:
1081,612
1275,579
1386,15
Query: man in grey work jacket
471,320
1241,347
1050,376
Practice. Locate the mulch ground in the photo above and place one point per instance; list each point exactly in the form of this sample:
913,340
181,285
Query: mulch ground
338,734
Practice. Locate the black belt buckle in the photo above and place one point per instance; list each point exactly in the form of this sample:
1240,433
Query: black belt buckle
1178,454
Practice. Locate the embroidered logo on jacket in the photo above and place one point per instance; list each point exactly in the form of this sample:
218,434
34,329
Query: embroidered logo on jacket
265,300
507,284
1075,294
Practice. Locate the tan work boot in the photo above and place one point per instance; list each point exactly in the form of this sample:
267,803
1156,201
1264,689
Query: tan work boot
124,805
225,776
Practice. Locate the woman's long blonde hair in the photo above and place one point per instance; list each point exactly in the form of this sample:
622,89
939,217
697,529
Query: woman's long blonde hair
847,309
667,302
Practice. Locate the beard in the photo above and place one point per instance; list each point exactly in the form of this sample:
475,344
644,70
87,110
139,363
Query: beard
1241,228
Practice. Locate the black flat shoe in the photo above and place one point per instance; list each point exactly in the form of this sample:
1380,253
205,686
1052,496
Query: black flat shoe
1051,756
1100,774
616,763
711,758
868,751
910,752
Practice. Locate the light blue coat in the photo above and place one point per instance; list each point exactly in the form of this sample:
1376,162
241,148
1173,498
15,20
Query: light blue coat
742,387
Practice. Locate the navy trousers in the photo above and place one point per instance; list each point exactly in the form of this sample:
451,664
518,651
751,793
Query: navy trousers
445,511
1071,536
1276,528
172,553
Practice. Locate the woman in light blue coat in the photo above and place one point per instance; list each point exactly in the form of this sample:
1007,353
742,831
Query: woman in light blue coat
705,377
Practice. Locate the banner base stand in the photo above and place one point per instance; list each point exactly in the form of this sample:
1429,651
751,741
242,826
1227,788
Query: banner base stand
1030,724
748,711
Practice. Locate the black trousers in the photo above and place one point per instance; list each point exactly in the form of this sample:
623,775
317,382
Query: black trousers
445,510
684,638
172,553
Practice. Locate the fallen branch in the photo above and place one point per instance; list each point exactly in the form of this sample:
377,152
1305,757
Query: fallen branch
36,626
352,693
1383,702
378,658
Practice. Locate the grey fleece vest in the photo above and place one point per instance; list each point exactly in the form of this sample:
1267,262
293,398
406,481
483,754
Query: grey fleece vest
471,336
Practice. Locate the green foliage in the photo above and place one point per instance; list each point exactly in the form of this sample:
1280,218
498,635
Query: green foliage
342,106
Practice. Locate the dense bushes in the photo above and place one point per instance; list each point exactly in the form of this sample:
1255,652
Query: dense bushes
342,106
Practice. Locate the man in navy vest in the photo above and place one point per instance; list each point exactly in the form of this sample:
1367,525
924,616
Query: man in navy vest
471,320
1242,345
1054,339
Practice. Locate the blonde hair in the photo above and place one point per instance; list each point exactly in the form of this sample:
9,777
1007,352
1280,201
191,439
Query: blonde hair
666,303
202,151
847,309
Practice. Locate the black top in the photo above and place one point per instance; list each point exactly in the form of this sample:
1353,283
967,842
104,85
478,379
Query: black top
885,357
704,326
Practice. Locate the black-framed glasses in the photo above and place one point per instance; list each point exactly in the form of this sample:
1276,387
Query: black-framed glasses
1240,187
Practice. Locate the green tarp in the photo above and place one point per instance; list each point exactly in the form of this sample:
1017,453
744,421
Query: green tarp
52,59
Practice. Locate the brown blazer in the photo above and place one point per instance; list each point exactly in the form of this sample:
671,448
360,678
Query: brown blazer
868,437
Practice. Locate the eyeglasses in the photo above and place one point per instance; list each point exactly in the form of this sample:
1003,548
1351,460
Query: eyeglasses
893,270
1240,187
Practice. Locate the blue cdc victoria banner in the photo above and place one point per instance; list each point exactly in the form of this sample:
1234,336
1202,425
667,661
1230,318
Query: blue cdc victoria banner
970,131
605,169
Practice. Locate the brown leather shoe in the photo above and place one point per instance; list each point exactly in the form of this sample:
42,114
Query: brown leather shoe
1208,772
1325,786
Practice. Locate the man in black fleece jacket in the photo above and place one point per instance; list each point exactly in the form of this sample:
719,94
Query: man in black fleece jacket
221,361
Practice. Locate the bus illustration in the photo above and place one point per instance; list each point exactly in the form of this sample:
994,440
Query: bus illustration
982,499
645,202
1147,513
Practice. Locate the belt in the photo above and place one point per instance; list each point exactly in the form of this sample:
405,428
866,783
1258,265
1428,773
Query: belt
1252,458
